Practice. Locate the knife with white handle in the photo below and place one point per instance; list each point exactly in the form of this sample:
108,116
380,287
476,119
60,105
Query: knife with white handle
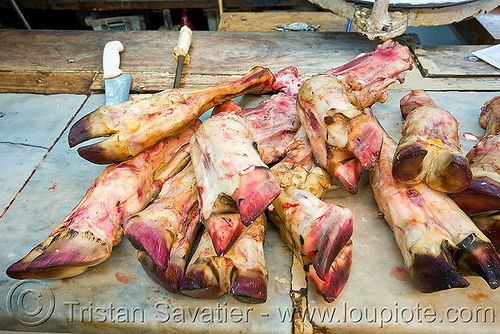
181,52
116,84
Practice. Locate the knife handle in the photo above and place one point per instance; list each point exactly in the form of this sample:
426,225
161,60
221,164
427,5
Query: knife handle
183,43
111,59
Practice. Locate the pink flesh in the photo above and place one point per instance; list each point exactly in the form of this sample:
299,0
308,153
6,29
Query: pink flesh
333,125
162,115
373,73
157,227
241,271
228,106
429,149
119,192
337,276
415,99
123,190
273,124
490,116
226,161
365,79
331,232
180,252
287,81
225,228
316,230
428,226
323,228
434,123
483,193
255,192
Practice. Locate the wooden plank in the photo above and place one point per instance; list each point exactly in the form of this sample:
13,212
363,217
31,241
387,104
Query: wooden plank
151,51
414,80
491,24
487,26
214,56
229,53
73,51
46,82
266,21
448,61
71,62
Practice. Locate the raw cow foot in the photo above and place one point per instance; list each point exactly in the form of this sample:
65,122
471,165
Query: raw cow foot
430,274
135,126
336,277
155,242
408,163
449,173
365,141
482,195
332,231
249,285
344,166
256,191
429,149
224,224
65,254
202,279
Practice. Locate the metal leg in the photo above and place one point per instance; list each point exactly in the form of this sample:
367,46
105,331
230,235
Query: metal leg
20,14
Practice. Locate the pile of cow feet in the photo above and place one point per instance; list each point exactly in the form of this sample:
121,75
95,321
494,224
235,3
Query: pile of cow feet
195,198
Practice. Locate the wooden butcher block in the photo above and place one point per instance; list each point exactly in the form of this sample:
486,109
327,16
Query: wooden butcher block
42,179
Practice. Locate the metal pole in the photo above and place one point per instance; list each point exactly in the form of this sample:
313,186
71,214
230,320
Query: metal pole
21,16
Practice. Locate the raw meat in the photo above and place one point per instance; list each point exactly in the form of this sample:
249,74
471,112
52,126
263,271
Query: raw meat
483,193
137,125
369,74
287,81
336,127
429,149
224,224
317,232
164,231
241,271
273,123
87,235
435,237
227,161
343,138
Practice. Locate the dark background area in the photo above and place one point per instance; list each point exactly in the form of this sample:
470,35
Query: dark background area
75,20
70,14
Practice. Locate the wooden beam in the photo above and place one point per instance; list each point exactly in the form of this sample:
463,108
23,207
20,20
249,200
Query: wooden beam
267,21
46,82
487,26
49,62
448,61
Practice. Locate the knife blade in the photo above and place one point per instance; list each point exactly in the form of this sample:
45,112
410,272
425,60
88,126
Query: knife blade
116,83
181,53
